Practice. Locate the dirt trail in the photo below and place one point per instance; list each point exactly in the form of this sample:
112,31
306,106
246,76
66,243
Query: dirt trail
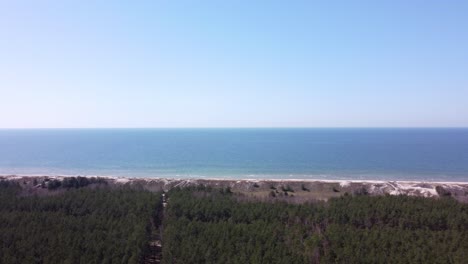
155,248
155,243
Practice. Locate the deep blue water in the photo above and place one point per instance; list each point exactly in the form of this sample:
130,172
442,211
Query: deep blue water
390,154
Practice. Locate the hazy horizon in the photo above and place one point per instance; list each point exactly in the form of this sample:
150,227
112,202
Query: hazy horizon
337,127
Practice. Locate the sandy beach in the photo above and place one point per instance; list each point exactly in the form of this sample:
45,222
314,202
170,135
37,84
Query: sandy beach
297,190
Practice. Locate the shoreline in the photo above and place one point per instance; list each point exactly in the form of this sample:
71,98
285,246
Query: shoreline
60,176
295,190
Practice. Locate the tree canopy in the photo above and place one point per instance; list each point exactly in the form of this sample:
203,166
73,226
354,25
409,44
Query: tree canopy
208,226
79,226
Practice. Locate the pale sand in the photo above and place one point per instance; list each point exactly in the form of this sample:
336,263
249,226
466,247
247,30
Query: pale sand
323,187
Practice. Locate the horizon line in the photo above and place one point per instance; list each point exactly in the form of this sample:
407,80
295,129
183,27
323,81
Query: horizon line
260,127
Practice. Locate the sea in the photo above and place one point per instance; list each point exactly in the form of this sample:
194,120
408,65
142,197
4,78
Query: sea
420,154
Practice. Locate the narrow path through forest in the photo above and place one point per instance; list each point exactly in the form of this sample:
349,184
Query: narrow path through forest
157,229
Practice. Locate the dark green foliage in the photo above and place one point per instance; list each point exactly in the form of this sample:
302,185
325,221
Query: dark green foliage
226,190
206,225
304,188
8,188
256,185
77,182
442,192
361,191
78,226
210,227
53,184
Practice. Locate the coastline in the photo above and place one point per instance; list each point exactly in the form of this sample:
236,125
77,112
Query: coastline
60,176
300,190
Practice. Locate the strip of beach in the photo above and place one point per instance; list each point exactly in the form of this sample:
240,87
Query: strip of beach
292,190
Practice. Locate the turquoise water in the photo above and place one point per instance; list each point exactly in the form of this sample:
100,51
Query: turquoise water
388,154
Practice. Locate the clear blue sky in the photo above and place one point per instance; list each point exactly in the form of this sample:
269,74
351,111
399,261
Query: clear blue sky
233,63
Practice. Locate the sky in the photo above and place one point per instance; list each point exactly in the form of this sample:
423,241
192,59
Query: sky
104,64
